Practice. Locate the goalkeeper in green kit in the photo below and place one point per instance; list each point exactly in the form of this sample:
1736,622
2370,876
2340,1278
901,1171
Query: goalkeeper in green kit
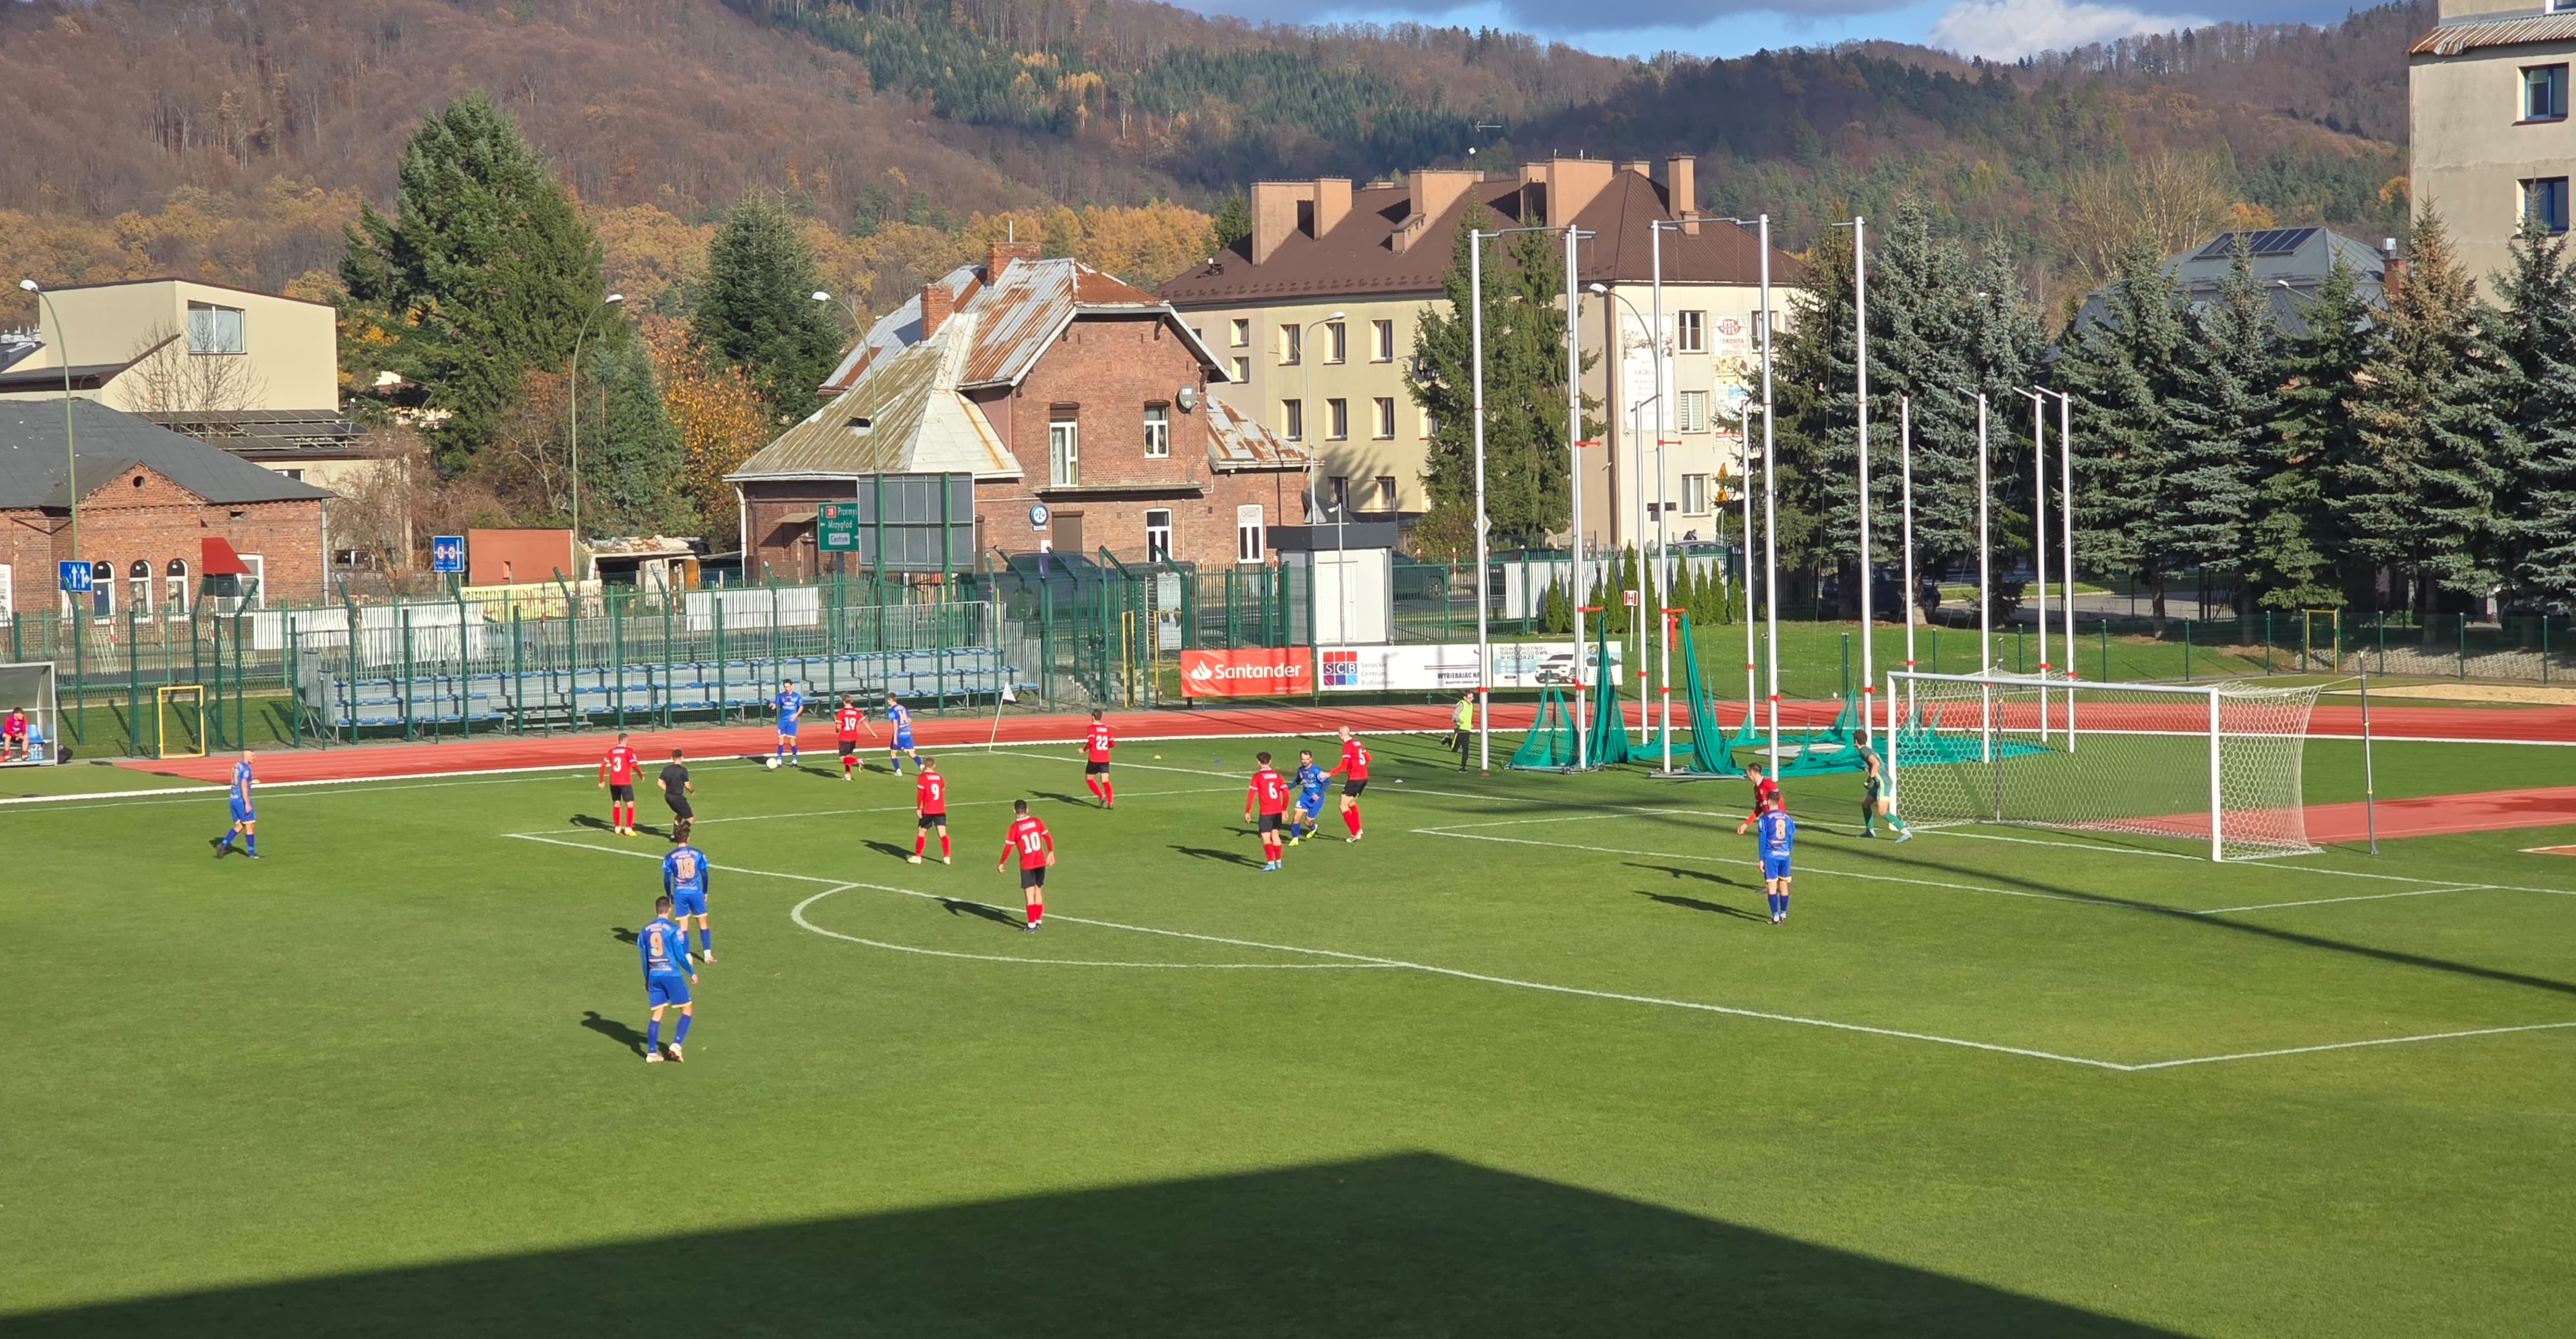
1875,802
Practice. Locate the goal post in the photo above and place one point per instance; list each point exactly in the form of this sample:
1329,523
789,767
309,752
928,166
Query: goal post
182,704
28,687
2216,765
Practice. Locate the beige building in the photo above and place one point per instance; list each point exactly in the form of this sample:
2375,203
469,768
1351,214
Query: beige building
1314,315
2488,102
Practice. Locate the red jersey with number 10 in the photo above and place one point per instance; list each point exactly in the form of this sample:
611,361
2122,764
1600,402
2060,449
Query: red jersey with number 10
619,767
1031,839
1096,742
845,722
930,793
1269,790
1354,760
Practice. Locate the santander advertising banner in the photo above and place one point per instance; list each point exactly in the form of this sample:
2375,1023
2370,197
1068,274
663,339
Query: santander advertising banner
1255,672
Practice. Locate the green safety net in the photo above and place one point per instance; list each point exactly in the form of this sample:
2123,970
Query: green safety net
1549,746
1609,730
1708,753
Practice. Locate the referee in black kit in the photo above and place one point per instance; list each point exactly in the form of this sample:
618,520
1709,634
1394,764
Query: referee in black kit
676,790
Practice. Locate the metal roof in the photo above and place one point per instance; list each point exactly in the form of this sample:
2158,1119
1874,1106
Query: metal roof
2453,39
109,443
1239,443
903,416
2289,263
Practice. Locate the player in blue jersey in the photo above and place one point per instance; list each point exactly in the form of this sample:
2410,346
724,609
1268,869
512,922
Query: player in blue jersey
684,877
664,947
1309,800
245,819
901,720
1778,833
789,703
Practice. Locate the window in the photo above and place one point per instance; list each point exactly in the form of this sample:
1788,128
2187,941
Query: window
1292,345
1386,492
1337,345
213,329
1158,431
1158,536
1242,370
297,475
1341,493
1381,341
2544,201
1242,338
102,588
1690,332
1385,405
257,581
2544,93
1426,424
1247,534
174,598
1337,419
1292,420
138,587
1694,494
8,594
1064,453
1690,411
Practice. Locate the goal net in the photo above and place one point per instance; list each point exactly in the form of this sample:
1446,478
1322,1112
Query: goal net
2217,765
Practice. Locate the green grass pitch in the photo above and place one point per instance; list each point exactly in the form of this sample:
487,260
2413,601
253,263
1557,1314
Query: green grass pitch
1528,1060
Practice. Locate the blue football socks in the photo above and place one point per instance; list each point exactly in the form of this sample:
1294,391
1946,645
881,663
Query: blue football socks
250,842
706,937
681,1037
227,840
653,1034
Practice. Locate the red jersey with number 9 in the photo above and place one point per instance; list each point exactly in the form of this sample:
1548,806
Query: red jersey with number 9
930,793
1029,837
845,722
1096,742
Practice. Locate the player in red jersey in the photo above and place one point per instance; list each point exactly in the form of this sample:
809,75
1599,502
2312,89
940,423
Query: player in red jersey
930,800
1269,794
1036,847
847,721
617,777
1096,744
1766,796
1353,769
13,735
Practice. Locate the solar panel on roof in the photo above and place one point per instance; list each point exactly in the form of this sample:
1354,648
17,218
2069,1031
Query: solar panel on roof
2264,242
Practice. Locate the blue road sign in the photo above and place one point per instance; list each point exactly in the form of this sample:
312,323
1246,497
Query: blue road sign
75,576
447,553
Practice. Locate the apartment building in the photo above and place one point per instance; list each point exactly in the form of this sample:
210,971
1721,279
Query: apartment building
2492,145
1313,318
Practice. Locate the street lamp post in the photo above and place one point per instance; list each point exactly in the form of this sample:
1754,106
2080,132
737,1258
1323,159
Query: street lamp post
572,383
71,457
846,305
1314,468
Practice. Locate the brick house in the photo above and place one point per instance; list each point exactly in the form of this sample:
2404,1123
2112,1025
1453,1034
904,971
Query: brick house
1053,385
149,498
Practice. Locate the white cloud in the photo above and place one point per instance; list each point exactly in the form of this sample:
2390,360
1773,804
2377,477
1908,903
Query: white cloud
2008,29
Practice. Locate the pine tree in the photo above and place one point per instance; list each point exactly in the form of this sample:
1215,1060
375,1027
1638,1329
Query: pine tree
2434,457
2536,336
2122,372
2293,549
1233,219
487,257
632,469
1919,321
757,309
2225,405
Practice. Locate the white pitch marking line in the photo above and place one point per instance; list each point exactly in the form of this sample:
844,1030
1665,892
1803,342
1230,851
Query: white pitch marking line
797,914
2348,1045
2365,897
1812,869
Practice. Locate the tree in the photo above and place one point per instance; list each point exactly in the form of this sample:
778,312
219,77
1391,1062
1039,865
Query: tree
168,379
1233,219
2165,199
485,261
631,465
757,309
2122,371
2293,546
717,415
2535,335
2225,405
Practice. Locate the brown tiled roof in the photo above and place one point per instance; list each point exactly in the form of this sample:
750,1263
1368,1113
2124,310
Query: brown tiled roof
2452,39
1358,257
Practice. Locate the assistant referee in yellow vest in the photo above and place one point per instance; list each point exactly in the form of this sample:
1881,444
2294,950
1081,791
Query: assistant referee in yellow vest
1462,726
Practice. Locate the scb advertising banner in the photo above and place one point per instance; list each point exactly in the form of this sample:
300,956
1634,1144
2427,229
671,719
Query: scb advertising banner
1254,672
1452,666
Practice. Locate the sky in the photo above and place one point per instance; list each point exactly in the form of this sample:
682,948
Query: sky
2000,29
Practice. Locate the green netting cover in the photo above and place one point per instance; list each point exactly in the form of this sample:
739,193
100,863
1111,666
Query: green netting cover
1549,746
1609,730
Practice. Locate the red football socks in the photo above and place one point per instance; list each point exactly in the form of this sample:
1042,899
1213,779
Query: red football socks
1351,819
1108,791
1036,912
943,846
918,840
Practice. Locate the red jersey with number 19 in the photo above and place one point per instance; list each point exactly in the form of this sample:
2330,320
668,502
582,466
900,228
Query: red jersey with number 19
1031,839
1269,791
620,766
930,794
845,722
1096,742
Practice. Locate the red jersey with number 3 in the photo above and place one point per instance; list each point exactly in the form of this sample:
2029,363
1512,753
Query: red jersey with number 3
1030,838
845,722
1096,742
930,793
620,766
1354,760
1270,791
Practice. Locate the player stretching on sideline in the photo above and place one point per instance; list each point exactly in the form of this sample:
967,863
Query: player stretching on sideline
1766,795
846,724
1269,793
1354,772
664,947
790,704
245,819
676,791
684,877
1875,802
1308,812
930,800
1096,743
901,720
1779,833
617,777
1036,847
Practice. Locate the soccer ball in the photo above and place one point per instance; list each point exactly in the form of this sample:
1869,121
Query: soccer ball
771,764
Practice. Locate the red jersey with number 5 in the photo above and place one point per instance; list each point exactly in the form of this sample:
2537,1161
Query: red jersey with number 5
845,722
619,767
1096,742
930,793
1269,790
1031,839
1354,760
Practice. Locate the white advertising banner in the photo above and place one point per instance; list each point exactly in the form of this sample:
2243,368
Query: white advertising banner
1451,666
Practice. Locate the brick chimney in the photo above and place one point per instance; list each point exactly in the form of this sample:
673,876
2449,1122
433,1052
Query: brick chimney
2392,268
1000,255
1332,203
1681,190
938,303
1433,192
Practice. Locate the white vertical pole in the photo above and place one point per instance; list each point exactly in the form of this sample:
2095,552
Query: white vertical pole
1890,755
1574,477
1770,513
1860,363
1985,593
1476,338
1663,629
2039,545
2214,796
1744,435
1905,472
2066,538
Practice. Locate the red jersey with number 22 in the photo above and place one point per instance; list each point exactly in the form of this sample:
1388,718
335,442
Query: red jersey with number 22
930,793
1354,760
1269,790
619,767
1096,742
845,722
1030,838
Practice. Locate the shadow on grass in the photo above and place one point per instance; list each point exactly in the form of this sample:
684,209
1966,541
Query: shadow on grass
592,822
1694,904
1411,1244
615,1031
890,848
1702,875
958,906
621,934
1222,857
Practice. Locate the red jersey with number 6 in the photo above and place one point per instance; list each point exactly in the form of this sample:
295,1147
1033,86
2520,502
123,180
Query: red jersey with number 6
845,722
1031,839
1096,742
930,793
1269,790
1354,760
620,766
